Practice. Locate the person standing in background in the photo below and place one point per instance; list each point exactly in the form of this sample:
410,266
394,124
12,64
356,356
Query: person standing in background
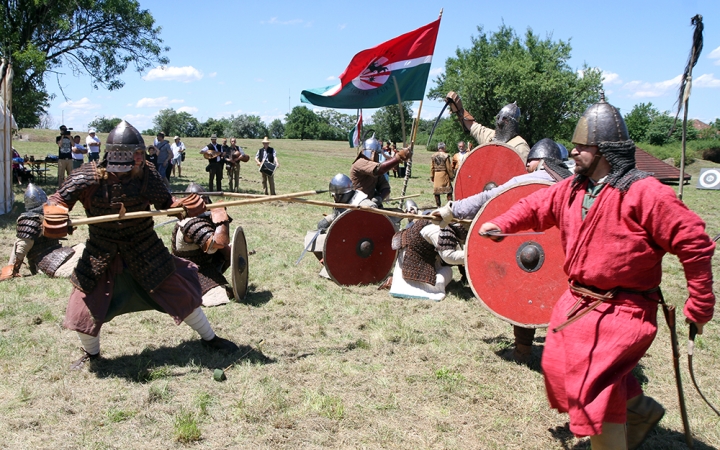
78,153
65,144
164,153
92,143
267,153
178,150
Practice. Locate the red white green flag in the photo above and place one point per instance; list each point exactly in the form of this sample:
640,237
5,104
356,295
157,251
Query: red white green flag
355,134
368,82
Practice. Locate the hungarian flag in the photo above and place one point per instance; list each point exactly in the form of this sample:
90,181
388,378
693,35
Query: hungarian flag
355,134
368,82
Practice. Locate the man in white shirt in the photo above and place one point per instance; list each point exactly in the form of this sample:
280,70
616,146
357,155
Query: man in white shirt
178,149
78,153
92,143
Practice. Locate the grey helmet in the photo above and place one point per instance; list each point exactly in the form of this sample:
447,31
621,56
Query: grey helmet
411,207
506,122
545,148
120,145
195,188
601,122
371,145
34,197
340,186
563,151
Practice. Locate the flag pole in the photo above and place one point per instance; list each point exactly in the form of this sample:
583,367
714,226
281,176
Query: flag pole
408,166
402,115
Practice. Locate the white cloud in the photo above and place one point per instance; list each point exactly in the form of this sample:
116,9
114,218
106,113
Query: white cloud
228,102
139,121
76,112
715,54
436,71
188,109
611,78
706,80
275,21
331,78
643,89
184,74
159,102
82,104
212,75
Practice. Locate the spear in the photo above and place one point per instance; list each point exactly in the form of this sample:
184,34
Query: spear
174,211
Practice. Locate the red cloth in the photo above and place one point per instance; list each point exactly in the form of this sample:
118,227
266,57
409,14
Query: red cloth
620,243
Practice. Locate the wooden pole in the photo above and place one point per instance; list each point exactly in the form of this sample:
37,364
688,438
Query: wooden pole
408,167
174,211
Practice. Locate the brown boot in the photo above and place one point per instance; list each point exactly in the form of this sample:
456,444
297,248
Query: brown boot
643,413
522,353
613,437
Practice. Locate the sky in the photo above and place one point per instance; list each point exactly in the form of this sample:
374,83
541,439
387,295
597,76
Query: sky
255,57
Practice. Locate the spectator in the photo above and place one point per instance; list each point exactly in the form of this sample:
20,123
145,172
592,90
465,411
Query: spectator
164,154
65,144
78,153
178,149
441,174
92,143
152,156
459,157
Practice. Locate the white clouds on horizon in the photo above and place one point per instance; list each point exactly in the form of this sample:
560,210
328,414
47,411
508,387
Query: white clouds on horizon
611,78
159,102
82,104
706,80
188,109
275,21
643,89
715,54
184,74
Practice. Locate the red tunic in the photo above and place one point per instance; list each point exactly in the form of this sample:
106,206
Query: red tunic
620,244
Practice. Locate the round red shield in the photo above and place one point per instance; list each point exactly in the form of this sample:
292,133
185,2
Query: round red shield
486,167
520,278
358,248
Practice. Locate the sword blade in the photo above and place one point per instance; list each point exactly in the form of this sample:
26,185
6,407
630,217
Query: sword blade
526,233
310,244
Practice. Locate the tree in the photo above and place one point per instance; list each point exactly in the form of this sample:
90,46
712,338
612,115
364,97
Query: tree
500,68
301,123
388,125
246,126
98,38
638,121
657,133
338,124
276,129
173,123
104,124
214,126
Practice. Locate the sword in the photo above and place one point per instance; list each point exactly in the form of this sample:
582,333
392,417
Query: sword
402,197
310,244
526,233
166,223
432,132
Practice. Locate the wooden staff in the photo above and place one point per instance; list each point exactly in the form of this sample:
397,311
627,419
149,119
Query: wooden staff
174,211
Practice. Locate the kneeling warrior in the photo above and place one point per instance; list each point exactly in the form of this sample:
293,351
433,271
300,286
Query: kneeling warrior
43,254
125,267
205,240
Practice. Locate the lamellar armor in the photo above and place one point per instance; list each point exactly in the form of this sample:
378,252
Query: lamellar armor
191,238
46,254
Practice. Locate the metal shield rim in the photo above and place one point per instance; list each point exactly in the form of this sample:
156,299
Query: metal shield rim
474,230
329,233
476,151
239,248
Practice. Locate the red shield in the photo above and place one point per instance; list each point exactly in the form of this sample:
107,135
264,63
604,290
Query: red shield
358,248
486,167
520,278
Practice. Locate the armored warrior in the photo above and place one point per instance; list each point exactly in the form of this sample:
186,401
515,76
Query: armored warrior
43,254
367,174
544,163
506,125
342,191
125,267
616,224
205,241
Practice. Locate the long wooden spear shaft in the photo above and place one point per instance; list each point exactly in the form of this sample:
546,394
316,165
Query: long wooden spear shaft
173,211
408,166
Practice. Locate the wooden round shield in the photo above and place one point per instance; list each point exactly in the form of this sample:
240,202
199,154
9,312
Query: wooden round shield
239,264
520,278
358,248
486,167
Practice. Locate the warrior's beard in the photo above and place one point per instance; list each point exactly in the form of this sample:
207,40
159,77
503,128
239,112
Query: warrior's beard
137,171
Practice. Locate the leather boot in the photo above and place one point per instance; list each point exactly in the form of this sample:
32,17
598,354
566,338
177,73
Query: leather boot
643,413
522,353
613,437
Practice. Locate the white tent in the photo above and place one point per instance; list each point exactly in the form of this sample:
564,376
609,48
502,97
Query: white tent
7,124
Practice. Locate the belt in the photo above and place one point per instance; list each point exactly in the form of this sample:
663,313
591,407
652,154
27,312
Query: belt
598,296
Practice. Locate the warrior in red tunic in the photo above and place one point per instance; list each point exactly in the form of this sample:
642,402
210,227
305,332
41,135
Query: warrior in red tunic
616,225
125,267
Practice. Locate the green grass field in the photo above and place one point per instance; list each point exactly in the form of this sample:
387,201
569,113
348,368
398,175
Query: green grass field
338,367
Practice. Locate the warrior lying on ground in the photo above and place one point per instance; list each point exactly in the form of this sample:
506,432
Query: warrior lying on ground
43,254
205,241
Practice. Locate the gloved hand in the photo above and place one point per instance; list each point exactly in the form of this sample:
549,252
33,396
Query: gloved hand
8,272
445,214
377,201
55,221
193,205
219,215
403,154
453,100
488,228
324,224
